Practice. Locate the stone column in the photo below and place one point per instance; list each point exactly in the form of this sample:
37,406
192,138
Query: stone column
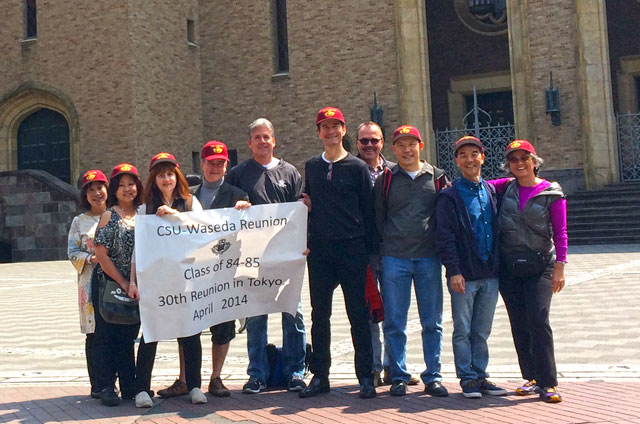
521,73
413,70
598,127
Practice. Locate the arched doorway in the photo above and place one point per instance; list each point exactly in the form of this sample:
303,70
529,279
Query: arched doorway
43,143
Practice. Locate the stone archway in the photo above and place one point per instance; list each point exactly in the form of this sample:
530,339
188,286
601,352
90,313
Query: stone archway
23,101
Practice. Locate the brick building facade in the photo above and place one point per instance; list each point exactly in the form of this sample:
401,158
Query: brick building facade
134,78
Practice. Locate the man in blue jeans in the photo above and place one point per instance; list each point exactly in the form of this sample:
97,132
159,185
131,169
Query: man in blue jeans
405,200
268,179
466,238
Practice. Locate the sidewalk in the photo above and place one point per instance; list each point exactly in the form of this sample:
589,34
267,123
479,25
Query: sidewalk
596,329
584,402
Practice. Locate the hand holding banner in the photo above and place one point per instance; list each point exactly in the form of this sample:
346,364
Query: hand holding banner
198,269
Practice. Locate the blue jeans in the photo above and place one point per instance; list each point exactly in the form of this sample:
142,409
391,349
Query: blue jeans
397,275
293,345
472,313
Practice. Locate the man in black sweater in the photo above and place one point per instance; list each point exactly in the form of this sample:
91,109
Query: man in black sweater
341,231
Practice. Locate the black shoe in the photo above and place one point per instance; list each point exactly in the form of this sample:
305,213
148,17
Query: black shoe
316,386
435,388
108,397
398,388
95,395
367,390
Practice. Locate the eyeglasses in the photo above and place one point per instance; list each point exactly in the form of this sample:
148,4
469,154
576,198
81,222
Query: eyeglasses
515,160
330,171
365,141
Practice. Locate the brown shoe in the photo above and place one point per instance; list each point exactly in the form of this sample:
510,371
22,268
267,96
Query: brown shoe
217,388
386,379
178,388
377,379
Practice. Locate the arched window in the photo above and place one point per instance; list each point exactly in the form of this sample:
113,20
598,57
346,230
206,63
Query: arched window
43,143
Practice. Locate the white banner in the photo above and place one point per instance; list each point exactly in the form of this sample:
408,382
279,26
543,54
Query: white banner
198,269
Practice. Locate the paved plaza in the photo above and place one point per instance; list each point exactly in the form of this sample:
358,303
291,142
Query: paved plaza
597,338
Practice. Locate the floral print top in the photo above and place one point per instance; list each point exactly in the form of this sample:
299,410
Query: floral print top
118,237
83,228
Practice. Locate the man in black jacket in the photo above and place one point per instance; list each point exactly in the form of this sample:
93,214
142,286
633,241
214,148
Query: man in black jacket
466,239
341,232
215,193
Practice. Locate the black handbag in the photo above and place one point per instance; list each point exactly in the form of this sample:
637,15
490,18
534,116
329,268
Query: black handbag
114,304
525,263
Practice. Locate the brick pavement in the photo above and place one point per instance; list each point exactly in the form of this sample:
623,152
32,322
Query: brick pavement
595,320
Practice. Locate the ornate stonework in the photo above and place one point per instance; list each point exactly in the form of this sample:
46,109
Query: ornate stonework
494,23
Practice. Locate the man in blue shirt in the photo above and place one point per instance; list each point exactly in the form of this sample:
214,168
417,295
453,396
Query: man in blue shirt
466,236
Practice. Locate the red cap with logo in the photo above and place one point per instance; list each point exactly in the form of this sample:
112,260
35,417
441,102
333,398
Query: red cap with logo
163,157
406,131
214,149
469,139
124,168
91,176
520,145
329,113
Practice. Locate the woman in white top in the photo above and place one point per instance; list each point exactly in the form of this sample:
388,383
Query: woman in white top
81,252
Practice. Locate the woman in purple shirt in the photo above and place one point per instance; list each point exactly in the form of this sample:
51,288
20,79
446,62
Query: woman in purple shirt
533,248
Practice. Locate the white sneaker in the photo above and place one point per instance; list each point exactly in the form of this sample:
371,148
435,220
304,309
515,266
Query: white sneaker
197,397
143,400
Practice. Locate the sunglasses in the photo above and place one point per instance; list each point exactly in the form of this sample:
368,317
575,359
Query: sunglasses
365,141
330,171
515,160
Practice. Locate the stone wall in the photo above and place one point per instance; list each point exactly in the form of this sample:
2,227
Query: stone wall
36,210
125,68
339,54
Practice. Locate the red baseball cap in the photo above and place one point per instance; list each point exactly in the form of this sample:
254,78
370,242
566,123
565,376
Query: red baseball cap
329,113
214,149
163,157
91,176
520,145
406,131
468,139
124,168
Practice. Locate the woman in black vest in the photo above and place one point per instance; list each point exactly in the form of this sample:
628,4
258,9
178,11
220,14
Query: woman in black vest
533,248
167,193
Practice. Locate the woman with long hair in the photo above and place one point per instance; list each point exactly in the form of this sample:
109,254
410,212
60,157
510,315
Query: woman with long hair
167,193
114,241
81,252
533,249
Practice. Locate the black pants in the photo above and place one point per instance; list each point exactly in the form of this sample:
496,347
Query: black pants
88,353
528,301
192,351
113,352
332,263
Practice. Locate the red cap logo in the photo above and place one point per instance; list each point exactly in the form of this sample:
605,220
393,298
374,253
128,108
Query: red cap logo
93,175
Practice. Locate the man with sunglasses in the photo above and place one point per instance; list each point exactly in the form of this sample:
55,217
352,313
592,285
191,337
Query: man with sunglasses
341,233
466,239
370,141
405,199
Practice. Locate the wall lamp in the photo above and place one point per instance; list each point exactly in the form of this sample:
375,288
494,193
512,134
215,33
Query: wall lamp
552,96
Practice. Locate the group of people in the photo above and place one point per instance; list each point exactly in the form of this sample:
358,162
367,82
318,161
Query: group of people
399,222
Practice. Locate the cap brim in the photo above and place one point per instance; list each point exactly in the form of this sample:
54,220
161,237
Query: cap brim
214,157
